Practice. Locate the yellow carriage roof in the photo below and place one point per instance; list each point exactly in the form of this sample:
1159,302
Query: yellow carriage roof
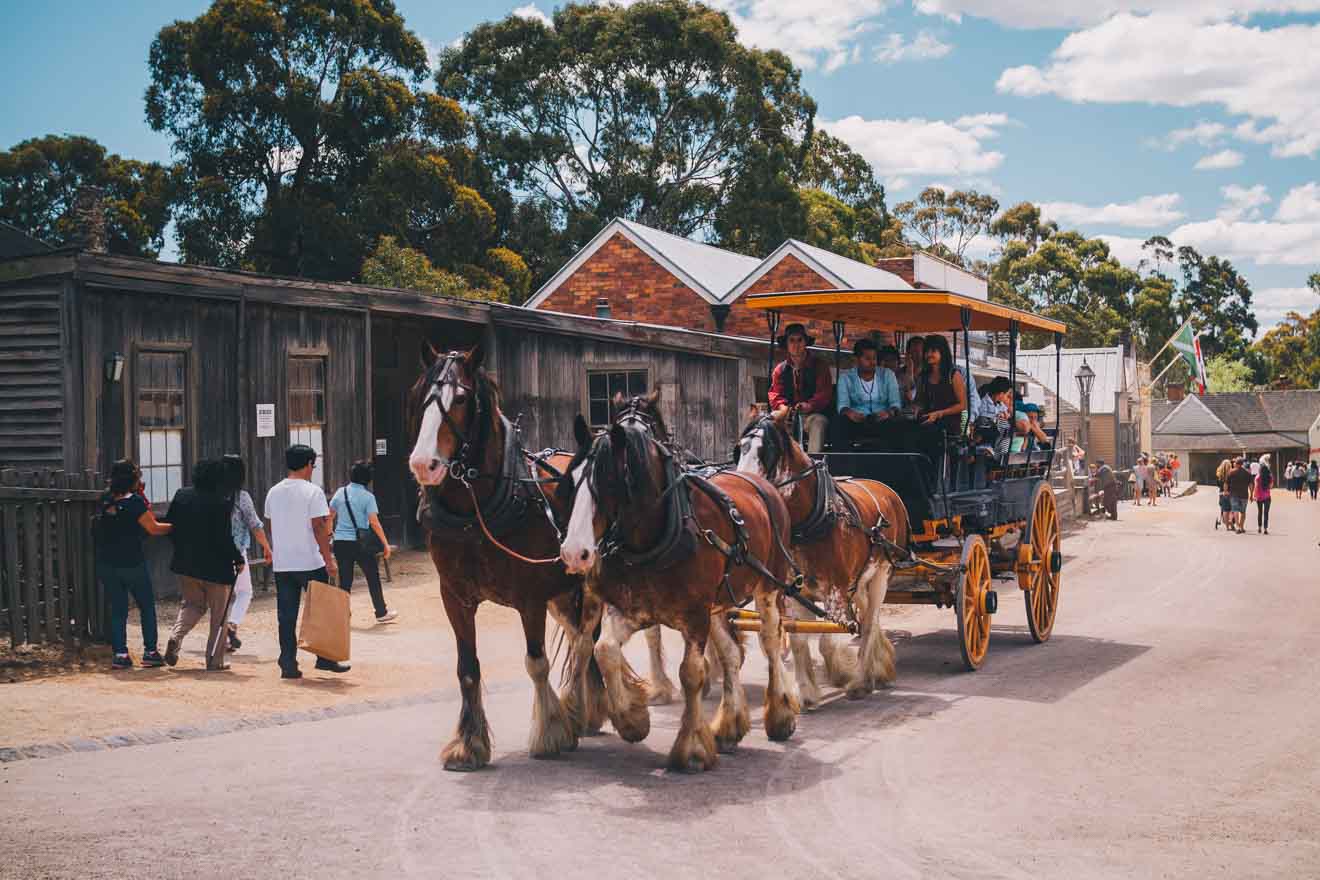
908,310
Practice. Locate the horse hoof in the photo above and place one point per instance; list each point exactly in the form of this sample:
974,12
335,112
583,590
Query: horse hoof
781,725
461,757
633,726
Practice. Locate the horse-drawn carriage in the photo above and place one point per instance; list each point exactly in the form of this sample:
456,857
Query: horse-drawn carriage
973,515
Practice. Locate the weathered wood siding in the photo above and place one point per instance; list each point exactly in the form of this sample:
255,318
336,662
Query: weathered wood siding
31,375
544,378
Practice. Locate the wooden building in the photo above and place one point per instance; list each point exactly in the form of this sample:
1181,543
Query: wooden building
103,357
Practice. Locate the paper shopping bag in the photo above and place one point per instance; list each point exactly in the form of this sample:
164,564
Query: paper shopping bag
324,629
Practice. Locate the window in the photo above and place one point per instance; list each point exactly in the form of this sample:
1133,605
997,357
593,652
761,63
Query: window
603,385
307,408
161,421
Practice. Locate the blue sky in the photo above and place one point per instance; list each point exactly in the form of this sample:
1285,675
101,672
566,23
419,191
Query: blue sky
1197,119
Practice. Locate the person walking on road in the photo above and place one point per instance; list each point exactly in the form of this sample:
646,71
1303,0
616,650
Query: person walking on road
1261,487
245,526
352,506
1239,490
1108,484
1313,479
300,550
205,559
123,517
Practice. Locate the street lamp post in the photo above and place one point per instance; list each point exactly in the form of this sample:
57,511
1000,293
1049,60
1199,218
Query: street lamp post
1085,377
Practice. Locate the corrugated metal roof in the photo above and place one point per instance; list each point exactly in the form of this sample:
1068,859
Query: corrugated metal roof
854,274
713,268
1111,374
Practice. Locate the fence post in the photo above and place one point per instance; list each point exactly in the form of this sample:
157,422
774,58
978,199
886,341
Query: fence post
101,622
66,586
31,564
9,525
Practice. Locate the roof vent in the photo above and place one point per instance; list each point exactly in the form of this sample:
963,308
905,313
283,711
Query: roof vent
602,308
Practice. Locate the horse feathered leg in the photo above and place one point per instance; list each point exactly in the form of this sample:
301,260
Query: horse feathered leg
582,688
782,701
875,661
803,666
552,731
659,689
694,747
625,693
470,747
732,719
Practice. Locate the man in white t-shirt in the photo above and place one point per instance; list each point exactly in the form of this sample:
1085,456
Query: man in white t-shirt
300,550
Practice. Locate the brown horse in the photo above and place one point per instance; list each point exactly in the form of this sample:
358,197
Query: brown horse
492,537
834,541
677,549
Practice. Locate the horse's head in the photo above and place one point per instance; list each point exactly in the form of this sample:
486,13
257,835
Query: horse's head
455,401
618,468
765,447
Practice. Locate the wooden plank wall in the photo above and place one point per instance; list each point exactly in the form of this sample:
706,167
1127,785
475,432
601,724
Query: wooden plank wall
31,375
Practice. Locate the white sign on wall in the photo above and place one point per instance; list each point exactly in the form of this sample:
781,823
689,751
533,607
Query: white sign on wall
382,446
265,420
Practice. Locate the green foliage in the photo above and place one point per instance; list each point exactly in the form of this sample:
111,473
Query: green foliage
40,177
1288,355
833,168
306,136
1218,300
947,222
1224,373
404,268
652,112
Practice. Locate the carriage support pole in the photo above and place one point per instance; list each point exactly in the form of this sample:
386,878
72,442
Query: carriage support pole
772,321
969,387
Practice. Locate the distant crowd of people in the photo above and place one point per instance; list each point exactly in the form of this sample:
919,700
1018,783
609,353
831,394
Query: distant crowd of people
1243,482
213,525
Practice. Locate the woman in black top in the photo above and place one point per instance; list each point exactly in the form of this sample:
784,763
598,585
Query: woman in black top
941,402
122,518
205,559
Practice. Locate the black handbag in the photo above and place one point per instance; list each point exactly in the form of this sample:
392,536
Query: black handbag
367,539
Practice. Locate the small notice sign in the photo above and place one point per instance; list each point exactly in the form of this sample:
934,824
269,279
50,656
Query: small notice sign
265,420
382,446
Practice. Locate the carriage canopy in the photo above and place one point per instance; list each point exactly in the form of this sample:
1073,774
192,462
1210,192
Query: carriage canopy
908,311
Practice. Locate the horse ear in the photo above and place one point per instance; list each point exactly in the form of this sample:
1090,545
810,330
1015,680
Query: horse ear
581,432
428,354
476,356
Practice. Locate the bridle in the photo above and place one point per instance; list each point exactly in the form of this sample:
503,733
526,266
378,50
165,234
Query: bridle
460,466
773,442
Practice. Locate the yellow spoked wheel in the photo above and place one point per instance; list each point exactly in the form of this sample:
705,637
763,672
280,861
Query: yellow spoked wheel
973,600
1045,569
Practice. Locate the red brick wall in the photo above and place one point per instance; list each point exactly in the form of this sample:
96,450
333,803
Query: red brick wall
900,266
790,273
638,288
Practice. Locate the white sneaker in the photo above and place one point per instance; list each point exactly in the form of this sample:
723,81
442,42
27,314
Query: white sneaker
388,617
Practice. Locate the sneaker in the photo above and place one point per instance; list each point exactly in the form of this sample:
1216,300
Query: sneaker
121,661
388,617
291,673
153,659
332,666
234,642
171,652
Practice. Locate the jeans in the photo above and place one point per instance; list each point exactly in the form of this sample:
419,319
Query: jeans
289,586
349,552
1263,514
119,583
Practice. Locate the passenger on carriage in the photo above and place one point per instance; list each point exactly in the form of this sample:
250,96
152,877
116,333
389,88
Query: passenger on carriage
941,405
993,430
867,398
802,383
1026,427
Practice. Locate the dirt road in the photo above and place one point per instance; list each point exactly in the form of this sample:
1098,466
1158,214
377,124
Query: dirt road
1167,730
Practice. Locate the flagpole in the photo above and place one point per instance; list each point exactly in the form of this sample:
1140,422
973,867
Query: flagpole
1151,383
1157,354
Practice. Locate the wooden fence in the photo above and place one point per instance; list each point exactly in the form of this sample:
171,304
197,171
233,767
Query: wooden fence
48,587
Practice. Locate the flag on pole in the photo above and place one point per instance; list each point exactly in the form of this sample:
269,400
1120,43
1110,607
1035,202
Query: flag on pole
1188,345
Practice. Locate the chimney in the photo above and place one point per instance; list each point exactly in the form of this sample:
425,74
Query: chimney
720,313
602,308
89,219
1175,391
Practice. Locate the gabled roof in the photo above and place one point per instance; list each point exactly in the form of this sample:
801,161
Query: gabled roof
841,272
708,270
14,242
1244,412
1111,373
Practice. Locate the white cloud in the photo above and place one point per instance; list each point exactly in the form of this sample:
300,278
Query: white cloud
1207,134
1081,13
1126,249
925,147
1147,212
1243,203
1219,161
825,34
1271,304
1268,75
923,47
1301,204
531,12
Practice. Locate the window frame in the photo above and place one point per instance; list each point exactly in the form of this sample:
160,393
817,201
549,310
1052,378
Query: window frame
188,452
322,354
606,368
